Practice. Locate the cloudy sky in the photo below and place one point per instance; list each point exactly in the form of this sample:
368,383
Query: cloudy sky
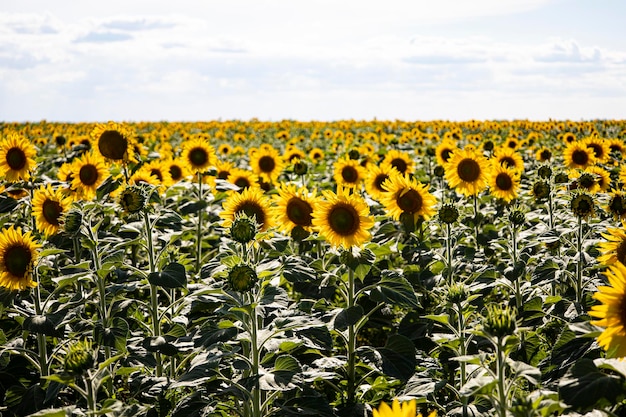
315,60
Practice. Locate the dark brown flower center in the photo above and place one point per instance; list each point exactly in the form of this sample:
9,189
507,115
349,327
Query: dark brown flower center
410,202
504,181
16,159
198,157
545,155
17,260
617,206
242,182
299,211
597,149
175,172
400,164
378,181
580,157
507,161
620,252
468,170
267,163
349,174
156,173
113,145
223,174
344,220
51,211
252,209
88,174
445,154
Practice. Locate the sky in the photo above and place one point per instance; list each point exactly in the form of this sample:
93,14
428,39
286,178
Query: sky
189,60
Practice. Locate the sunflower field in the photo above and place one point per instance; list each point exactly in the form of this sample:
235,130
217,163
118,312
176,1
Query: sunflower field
329,269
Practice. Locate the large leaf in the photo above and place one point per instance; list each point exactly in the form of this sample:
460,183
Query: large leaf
394,289
295,269
114,336
584,385
398,357
348,317
284,375
172,276
54,412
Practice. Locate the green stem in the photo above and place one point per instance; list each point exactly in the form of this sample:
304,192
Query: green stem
91,397
256,393
449,252
518,291
351,348
462,346
41,338
581,263
154,292
476,219
199,229
551,218
501,375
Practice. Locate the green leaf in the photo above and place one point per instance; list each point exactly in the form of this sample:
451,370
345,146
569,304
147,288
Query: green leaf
50,251
7,204
348,317
398,357
284,375
114,336
394,289
295,269
54,412
172,276
108,185
584,385
65,379
439,318
169,219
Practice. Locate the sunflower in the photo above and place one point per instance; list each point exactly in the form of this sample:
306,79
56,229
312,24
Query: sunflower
48,208
578,155
374,179
251,201
407,195
600,147
582,205
176,169
399,160
293,207
293,153
348,172
602,177
468,171
158,169
88,172
267,163
224,168
611,314
243,178
504,183
444,151
198,155
614,249
343,219
316,155
507,157
406,409
16,158
617,205
224,149
114,142
617,147
18,253
543,154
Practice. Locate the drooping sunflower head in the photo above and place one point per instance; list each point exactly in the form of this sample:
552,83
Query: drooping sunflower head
578,155
16,158
79,358
133,198
49,206
405,195
348,173
611,313
504,183
343,219
242,278
448,213
294,207
18,254
243,228
467,171
252,202
617,205
541,189
198,155
267,163
582,205
114,142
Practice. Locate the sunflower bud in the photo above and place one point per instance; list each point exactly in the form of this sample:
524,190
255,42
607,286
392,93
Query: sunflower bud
300,168
545,171
488,145
517,217
439,171
79,358
243,228
299,233
500,321
457,293
72,221
582,205
541,189
242,278
133,199
448,213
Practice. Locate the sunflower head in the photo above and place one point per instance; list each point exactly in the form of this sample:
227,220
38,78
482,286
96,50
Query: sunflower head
457,293
79,358
517,216
300,167
545,171
611,313
16,158
242,278
541,189
582,205
133,198
198,155
499,320
72,221
617,205
114,142
467,171
18,253
49,205
244,228
397,409
439,171
448,213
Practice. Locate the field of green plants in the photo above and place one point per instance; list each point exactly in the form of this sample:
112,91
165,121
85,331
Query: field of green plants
328,269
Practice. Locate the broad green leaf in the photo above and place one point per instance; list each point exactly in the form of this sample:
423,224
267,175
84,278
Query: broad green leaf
295,269
398,357
394,289
54,412
348,317
172,276
584,385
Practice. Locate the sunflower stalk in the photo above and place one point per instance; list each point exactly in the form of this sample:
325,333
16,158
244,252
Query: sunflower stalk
580,264
449,252
351,345
154,292
199,228
41,337
517,283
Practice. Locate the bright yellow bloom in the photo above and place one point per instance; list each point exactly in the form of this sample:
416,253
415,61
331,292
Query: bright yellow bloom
16,158
406,409
18,253
611,314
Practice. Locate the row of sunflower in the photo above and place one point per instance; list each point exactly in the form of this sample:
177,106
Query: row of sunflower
331,253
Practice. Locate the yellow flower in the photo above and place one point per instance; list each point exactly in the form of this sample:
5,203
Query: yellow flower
406,409
399,160
578,155
600,148
504,183
88,172
294,207
611,314
48,208
467,171
114,142
407,195
348,172
444,151
243,178
343,219
267,163
18,253
198,155
614,249
250,201
504,156
374,179
16,158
